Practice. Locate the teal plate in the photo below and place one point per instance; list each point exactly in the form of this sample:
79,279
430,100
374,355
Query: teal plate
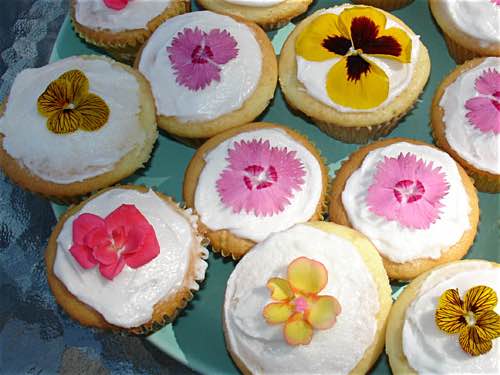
196,337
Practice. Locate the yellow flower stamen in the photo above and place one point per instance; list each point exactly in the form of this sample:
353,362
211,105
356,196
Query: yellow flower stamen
470,318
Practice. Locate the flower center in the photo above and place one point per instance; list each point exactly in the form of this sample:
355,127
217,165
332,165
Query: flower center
408,191
118,239
355,51
258,177
201,55
300,304
69,107
470,318
496,103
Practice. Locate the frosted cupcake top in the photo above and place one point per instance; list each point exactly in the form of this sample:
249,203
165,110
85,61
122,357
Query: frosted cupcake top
201,65
409,200
124,251
256,3
355,58
118,15
258,182
471,117
430,350
477,18
264,326
73,119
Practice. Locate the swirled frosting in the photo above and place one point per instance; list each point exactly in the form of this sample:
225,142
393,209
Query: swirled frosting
79,155
216,216
481,149
429,350
128,300
136,15
238,78
261,346
402,244
313,75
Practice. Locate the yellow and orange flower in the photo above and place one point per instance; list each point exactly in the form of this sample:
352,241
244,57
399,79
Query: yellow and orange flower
69,106
298,304
354,35
473,318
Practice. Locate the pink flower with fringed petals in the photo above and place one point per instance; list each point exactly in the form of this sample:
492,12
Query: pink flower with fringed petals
197,56
116,4
260,179
123,237
407,190
484,111
496,2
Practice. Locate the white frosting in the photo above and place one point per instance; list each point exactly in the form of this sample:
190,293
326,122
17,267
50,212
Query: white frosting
313,74
239,77
255,3
482,150
476,18
401,244
79,155
261,346
428,349
136,15
215,215
128,300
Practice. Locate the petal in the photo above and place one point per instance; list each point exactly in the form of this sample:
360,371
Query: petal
393,43
488,325
484,114
277,312
323,312
471,342
97,237
64,122
83,255
78,85
116,4
54,98
83,224
489,83
297,331
361,24
94,112
222,45
451,297
110,271
312,44
450,319
280,289
356,83
307,276
146,252
126,216
480,299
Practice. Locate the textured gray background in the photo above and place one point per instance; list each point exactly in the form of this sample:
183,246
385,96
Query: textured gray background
36,336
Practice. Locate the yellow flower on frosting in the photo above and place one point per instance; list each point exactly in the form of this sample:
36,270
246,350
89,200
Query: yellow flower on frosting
69,106
354,36
473,318
298,304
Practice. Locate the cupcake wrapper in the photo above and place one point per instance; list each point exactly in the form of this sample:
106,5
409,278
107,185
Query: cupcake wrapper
459,53
384,4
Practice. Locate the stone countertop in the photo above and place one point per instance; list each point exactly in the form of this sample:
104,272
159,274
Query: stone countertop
36,336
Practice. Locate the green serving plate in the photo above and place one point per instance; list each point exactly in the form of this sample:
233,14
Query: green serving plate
196,337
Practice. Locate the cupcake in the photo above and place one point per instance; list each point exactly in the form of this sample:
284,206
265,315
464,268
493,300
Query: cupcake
121,27
355,71
209,73
465,120
268,14
470,28
126,259
249,182
384,4
446,322
76,126
324,310
412,200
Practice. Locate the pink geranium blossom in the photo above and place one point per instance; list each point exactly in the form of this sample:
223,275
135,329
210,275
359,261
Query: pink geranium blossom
407,190
197,56
116,4
123,237
484,110
260,179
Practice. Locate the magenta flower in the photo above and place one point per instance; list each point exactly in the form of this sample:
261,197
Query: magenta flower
197,56
496,2
123,237
407,190
116,4
260,179
484,111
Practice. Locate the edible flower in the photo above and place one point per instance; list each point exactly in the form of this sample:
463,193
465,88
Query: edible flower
473,318
354,36
298,304
116,4
124,237
69,106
